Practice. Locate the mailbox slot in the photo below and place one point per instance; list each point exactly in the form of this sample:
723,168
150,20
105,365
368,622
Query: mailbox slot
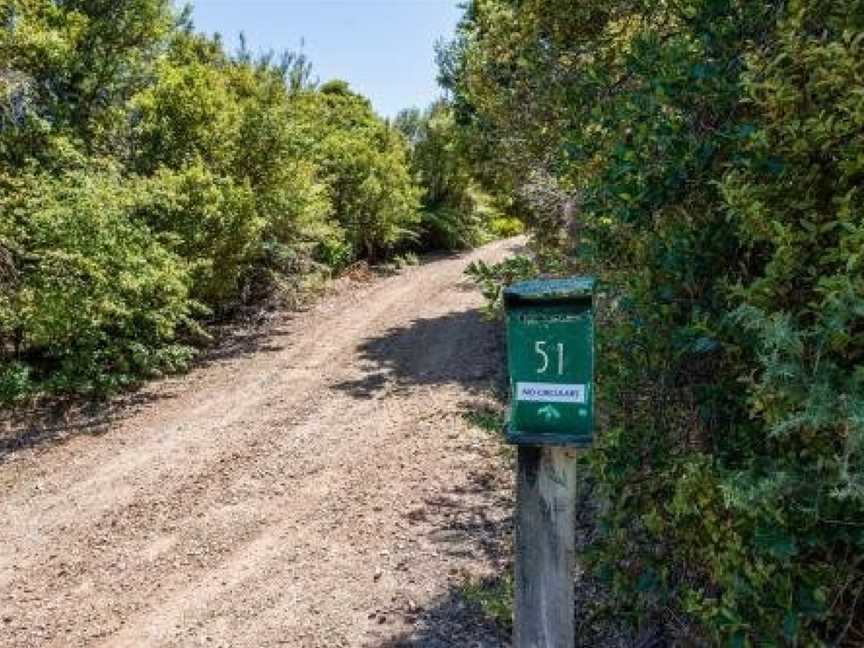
550,352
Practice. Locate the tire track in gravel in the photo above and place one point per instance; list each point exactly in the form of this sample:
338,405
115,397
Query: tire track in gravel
321,491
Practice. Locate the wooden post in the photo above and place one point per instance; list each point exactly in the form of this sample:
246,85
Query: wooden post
545,537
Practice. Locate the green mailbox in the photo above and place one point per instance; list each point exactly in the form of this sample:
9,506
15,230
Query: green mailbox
550,354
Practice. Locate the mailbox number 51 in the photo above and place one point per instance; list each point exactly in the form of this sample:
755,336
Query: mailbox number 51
540,350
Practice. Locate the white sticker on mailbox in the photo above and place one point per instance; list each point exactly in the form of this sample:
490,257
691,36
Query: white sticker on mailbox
550,393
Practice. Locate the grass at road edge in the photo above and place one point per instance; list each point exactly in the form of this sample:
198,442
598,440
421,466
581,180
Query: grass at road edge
492,594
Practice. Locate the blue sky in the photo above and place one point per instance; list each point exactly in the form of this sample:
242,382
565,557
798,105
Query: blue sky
383,48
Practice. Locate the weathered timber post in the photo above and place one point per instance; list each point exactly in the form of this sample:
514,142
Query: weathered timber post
550,350
544,547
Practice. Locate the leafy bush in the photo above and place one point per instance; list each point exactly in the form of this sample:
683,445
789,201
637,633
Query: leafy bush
506,226
98,299
493,278
449,228
150,179
213,221
15,382
363,164
704,160
456,214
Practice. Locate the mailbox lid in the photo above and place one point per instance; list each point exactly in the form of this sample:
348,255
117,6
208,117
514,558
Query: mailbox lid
572,289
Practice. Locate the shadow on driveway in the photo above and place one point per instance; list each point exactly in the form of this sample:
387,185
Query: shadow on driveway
457,348
451,623
469,524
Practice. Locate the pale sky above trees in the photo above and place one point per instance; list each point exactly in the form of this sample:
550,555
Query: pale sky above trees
383,48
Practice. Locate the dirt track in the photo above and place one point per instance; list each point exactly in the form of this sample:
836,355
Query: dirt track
315,486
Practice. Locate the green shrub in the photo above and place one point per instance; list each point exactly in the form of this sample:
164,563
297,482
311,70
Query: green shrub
15,382
213,222
100,298
150,179
506,226
493,278
456,214
363,164
449,228
704,159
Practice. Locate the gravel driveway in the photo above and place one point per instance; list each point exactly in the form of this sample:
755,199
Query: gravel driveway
316,485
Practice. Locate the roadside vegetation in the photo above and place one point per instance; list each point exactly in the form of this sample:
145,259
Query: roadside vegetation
151,182
704,159
456,212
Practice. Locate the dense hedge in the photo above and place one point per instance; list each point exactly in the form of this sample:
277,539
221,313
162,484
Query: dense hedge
149,180
705,159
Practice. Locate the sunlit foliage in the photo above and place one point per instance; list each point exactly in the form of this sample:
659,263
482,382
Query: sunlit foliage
704,159
457,211
150,180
